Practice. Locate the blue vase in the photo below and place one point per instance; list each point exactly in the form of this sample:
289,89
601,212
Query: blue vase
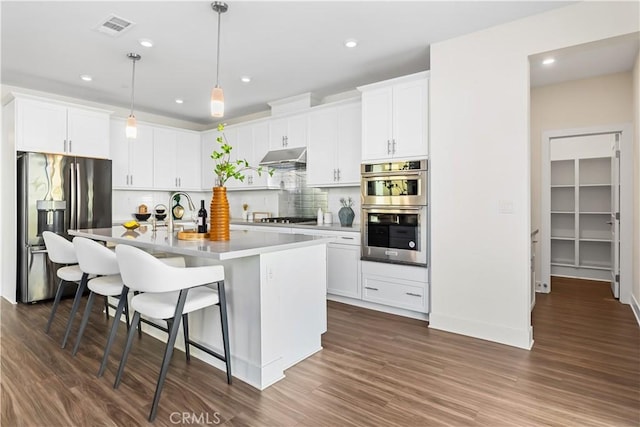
346,215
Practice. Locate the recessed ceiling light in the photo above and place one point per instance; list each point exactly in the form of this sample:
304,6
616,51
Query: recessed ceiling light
548,61
146,42
86,77
179,101
245,79
351,42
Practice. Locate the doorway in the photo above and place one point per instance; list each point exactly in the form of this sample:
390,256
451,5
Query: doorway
586,206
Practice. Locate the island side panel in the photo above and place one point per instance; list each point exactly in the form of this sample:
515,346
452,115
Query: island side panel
293,323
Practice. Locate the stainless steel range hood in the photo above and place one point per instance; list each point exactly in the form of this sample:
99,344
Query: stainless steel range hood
285,158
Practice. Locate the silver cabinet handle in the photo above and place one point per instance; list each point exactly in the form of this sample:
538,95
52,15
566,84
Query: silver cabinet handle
127,179
179,182
65,145
334,175
393,146
609,222
413,295
38,251
131,179
370,288
70,149
388,147
347,238
338,174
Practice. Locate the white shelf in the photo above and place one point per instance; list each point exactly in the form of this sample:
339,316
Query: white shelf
594,185
595,171
562,172
563,238
594,240
563,199
563,186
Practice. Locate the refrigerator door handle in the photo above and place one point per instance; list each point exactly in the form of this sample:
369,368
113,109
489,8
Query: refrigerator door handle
78,195
72,187
36,250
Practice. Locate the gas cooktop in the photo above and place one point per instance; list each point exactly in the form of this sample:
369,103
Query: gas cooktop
288,219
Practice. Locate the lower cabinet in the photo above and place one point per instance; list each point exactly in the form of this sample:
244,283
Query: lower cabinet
401,286
343,270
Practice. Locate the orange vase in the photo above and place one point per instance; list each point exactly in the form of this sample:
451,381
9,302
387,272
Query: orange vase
219,229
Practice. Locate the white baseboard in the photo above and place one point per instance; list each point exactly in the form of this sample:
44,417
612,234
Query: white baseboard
635,307
521,338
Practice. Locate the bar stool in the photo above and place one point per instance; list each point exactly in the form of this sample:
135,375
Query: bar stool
96,259
170,293
61,251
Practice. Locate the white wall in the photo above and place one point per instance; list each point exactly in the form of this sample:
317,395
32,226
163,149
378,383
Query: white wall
481,167
603,100
635,289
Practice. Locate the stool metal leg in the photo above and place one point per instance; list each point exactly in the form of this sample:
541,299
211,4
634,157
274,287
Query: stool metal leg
126,309
185,329
139,322
125,353
74,308
122,304
173,333
56,302
225,328
83,323
106,307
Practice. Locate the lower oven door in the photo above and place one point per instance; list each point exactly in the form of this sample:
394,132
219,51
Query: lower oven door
396,235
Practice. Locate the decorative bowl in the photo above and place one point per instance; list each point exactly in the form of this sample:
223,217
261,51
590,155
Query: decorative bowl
131,225
142,216
160,216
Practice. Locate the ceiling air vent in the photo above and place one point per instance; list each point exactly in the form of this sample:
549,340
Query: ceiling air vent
114,25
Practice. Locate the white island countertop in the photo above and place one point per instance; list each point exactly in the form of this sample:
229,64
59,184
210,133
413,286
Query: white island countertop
241,244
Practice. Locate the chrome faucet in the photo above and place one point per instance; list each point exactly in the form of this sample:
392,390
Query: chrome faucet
191,207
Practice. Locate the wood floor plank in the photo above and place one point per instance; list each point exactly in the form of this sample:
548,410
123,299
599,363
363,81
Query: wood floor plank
375,369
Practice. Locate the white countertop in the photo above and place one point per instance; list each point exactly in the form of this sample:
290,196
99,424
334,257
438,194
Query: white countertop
241,244
355,228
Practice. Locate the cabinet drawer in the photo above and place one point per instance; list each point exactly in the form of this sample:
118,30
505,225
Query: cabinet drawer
399,293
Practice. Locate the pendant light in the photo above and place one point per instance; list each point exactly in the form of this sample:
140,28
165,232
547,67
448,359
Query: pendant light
131,129
217,96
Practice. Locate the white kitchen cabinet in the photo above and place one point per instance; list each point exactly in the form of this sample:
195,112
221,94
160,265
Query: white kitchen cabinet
132,159
335,138
395,285
49,127
343,270
288,132
176,159
395,118
251,145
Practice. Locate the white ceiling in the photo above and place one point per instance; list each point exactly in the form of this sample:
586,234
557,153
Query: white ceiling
288,48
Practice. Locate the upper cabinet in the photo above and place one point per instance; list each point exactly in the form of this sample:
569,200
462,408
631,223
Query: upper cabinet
395,118
250,143
132,159
288,132
176,159
50,127
335,139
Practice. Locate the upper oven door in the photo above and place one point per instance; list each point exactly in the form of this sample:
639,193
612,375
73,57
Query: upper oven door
395,189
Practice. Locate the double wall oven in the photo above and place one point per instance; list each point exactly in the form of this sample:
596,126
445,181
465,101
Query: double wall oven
394,212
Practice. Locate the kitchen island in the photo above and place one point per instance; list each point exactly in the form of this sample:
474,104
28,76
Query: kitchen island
276,296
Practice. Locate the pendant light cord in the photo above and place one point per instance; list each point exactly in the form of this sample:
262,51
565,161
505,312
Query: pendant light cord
218,54
133,82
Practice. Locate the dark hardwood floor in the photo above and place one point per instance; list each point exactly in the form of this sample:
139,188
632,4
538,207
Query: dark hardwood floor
375,369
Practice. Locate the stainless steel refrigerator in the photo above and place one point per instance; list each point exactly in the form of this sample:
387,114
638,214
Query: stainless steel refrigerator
55,193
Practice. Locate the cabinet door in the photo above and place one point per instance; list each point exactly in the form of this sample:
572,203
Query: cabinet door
260,146
141,158
348,152
209,144
165,175
376,124
410,119
297,128
40,127
343,270
278,130
119,149
323,148
188,160
87,133
241,141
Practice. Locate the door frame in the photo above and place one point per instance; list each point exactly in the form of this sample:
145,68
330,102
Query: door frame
626,203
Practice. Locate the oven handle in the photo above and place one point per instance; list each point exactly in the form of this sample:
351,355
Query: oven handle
394,175
392,209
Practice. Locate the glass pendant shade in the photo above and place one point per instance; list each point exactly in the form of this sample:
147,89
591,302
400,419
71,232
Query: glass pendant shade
132,129
217,102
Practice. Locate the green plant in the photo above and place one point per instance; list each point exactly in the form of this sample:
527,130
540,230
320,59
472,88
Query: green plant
226,169
347,203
